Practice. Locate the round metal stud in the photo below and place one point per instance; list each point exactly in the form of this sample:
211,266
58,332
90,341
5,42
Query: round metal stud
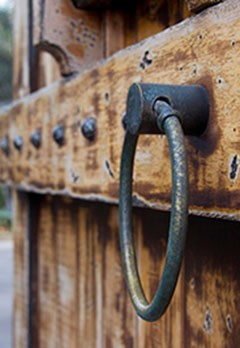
89,128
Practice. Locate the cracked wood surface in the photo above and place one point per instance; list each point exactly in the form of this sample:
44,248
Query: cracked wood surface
191,52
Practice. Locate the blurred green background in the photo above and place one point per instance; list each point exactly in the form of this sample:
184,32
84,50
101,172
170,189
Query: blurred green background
6,60
5,53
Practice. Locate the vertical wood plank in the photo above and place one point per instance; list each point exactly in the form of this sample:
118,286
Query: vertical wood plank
89,279
152,230
49,71
212,284
20,49
114,32
21,274
47,276
119,318
67,272
154,16
21,87
72,36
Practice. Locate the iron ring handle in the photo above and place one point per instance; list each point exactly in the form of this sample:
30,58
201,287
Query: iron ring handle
178,222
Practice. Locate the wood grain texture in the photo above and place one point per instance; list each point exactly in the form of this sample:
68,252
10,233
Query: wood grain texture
151,233
20,49
21,270
198,5
153,16
73,37
184,54
48,70
82,298
212,284
119,319
47,287
20,200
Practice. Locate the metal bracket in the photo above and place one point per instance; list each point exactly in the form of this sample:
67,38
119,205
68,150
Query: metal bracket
190,102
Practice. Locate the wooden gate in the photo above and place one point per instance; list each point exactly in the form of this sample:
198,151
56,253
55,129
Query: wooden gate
69,286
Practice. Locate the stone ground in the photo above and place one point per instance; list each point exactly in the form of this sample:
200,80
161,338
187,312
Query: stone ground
6,288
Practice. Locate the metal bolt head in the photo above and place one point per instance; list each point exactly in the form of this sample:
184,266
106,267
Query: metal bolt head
89,128
58,134
4,145
36,139
18,142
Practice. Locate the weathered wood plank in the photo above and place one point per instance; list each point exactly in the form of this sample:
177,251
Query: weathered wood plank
212,284
185,54
119,318
67,273
20,50
72,36
90,300
20,201
151,239
48,70
198,5
82,296
153,16
21,271
114,32
47,286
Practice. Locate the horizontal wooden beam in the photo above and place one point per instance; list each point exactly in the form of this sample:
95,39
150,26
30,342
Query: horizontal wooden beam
204,49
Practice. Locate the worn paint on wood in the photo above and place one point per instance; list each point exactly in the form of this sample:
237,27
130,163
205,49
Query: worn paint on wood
153,16
204,311
184,54
77,38
20,201
212,284
151,238
81,296
81,293
73,37
21,271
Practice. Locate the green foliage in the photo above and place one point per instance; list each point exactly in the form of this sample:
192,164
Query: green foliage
5,218
5,85
5,54
2,200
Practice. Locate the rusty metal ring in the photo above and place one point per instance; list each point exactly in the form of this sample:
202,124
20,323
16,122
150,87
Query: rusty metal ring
178,222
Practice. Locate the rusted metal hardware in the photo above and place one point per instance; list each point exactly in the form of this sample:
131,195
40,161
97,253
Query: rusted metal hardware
151,111
18,142
58,134
4,145
89,128
190,104
36,139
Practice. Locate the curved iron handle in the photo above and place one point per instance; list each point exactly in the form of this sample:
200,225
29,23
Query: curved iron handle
178,223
